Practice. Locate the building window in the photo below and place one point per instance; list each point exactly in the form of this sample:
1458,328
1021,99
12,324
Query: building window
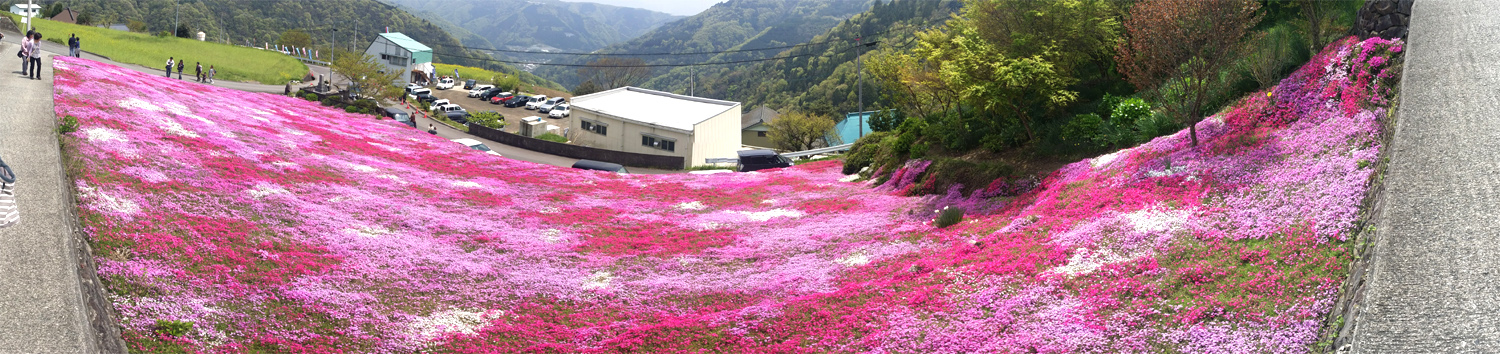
596,127
393,59
658,143
760,134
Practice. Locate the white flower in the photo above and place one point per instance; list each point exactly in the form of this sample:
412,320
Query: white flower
1104,160
100,135
598,280
551,235
693,205
849,178
770,214
549,210
437,325
102,201
854,260
369,231
137,103
175,128
467,184
263,190
362,168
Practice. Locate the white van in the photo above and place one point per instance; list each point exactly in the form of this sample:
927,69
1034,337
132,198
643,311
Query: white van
535,101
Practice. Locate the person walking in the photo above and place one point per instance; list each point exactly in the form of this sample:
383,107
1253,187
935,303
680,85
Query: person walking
169,66
77,47
25,56
211,73
36,56
198,72
180,64
73,45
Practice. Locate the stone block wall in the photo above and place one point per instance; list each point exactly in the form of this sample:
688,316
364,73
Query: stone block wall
1383,18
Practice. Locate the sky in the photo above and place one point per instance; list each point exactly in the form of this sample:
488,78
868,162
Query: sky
675,7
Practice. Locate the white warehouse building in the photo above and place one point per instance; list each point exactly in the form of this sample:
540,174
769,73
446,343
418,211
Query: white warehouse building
30,10
633,119
402,54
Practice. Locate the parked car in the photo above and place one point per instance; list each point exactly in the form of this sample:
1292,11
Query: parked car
600,166
546,106
399,115
448,108
480,89
756,160
420,90
445,84
488,94
535,101
517,101
476,145
410,87
460,117
469,84
500,98
560,111
440,102
426,97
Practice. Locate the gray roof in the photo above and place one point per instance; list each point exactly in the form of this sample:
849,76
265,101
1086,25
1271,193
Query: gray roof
761,114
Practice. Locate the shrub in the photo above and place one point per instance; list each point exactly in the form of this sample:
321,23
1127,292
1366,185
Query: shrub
553,138
918,150
310,97
1153,126
949,216
173,328
69,124
1129,110
862,154
886,120
352,109
1107,106
488,119
1086,130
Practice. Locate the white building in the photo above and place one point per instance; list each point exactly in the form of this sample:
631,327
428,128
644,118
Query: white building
402,54
26,9
638,120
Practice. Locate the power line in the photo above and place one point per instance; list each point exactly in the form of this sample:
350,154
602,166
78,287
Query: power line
645,65
840,40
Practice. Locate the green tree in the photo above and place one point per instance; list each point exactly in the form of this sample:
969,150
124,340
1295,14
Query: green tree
611,72
295,38
797,131
136,26
488,119
1188,43
364,71
84,19
587,87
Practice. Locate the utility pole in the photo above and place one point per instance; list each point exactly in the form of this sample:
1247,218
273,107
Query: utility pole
693,81
29,16
859,66
177,7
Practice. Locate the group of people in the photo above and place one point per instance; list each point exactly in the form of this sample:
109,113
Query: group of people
31,55
198,74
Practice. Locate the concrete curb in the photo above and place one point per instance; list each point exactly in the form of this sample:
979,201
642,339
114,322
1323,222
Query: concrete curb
1340,325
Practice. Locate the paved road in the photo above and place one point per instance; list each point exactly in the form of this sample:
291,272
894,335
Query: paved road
515,152
1435,286
15,39
41,300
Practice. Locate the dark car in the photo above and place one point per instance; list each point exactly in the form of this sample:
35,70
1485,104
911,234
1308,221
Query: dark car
600,166
517,101
756,160
487,95
469,84
400,117
426,98
459,117
500,98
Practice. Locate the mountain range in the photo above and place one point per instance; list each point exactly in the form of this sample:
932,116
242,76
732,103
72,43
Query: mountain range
733,24
538,25
254,23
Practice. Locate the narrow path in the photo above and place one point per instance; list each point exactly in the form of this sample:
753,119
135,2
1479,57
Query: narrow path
15,40
41,300
1435,285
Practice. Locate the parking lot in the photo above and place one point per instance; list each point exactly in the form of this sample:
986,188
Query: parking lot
513,116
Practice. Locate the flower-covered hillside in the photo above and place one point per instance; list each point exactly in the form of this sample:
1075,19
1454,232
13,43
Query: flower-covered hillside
232,222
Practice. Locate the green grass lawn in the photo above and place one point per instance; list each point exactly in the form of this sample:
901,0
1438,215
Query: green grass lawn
234,63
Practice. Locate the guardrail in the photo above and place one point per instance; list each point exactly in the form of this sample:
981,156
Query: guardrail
818,151
716,160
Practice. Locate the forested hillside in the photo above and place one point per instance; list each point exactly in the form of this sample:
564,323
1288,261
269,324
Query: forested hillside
819,77
733,24
254,23
539,25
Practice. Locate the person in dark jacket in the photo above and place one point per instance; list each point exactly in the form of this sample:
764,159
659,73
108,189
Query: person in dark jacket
180,64
198,73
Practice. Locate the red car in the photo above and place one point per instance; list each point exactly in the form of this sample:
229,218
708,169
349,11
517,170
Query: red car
500,98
